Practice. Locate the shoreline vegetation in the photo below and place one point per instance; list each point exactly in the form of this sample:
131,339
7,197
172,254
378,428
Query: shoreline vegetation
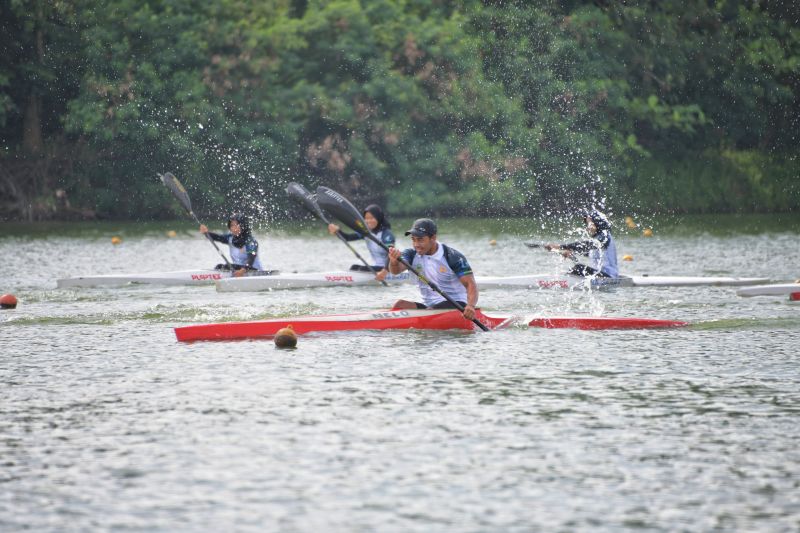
472,108
513,228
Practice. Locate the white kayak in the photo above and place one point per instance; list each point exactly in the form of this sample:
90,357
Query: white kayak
779,289
343,278
178,277
692,281
567,281
549,281
528,281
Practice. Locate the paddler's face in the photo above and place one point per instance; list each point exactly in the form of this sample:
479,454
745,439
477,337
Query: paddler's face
423,245
371,221
590,227
235,228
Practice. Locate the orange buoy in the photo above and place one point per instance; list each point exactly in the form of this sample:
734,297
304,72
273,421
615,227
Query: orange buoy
630,222
8,301
493,243
115,240
647,232
172,233
286,338
627,258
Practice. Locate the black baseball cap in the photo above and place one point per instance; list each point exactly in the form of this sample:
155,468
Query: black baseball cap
423,227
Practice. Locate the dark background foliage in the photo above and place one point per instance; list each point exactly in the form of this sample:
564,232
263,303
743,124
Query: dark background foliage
428,107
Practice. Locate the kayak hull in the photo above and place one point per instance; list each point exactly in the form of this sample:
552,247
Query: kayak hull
605,322
566,281
425,319
528,281
178,277
691,281
376,320
307,280
272,280
549,281
778,289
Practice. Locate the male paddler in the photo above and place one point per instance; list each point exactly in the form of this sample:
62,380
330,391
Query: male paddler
442,265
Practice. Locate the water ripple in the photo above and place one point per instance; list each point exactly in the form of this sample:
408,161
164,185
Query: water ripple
107,423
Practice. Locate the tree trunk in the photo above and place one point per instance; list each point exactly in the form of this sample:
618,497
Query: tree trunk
32,121
32,126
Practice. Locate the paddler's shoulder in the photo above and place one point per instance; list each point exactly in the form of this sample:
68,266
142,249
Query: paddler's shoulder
449,251
387,237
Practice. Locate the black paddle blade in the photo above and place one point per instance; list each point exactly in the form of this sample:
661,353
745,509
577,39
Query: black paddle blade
177,190
304,197
534,245
341,208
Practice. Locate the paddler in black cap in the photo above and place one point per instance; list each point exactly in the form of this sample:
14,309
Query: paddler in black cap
444,266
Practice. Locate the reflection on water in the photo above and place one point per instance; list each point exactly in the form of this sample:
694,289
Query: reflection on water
107,423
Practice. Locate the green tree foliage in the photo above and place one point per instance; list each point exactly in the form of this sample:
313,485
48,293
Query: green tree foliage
477,107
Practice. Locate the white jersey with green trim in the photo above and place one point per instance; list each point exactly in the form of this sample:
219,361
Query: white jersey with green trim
445,268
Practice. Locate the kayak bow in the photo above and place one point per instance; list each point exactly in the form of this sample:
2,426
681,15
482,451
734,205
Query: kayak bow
178,277
779,289
344,278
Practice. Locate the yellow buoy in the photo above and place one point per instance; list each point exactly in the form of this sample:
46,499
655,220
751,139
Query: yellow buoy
647,232
115,240
286,338
493,243
172,233
627,258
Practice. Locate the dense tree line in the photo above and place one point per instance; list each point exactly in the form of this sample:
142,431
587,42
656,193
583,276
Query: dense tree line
427,106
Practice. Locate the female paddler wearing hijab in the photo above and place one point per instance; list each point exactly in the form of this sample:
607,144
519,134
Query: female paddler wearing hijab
241,243
380,228
600,248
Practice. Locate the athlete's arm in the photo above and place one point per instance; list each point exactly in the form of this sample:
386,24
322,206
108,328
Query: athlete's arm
600,241
218,237
251,247
579,247
214,236
333,229
395,266
469,283
387,237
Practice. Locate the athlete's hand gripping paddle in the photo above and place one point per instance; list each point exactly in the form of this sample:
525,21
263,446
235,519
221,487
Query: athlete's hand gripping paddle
545,247
300,194
341,208
179,192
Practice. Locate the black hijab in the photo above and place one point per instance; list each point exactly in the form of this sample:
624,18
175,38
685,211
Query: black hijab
376,211
599,219
244,235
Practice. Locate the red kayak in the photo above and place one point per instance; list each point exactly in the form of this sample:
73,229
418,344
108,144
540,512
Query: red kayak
426,319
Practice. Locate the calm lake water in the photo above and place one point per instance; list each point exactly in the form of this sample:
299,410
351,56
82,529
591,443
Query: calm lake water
107,423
